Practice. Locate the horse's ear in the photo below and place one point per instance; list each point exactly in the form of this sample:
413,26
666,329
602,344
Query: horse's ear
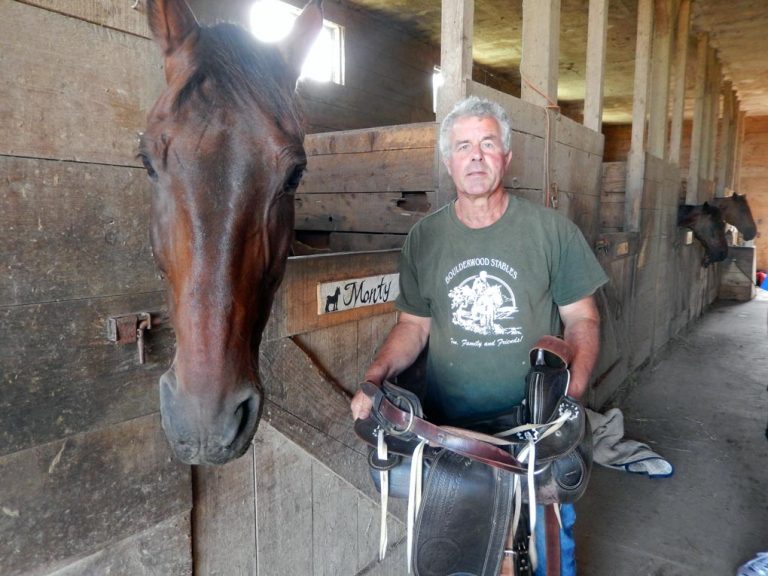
171,22
296,45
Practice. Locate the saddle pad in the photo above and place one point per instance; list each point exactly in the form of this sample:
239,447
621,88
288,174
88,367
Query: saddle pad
463,519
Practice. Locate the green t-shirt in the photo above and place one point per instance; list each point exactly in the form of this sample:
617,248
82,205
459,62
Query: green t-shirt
491,293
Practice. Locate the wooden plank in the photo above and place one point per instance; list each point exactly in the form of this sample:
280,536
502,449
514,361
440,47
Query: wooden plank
224,517
295,306
724,157
636,160
404,170
406,137
614,177
73,230
384,213
162,549
87,492
97,112
283,504
334,524
597,33
61,376
575,135
342,242
118,15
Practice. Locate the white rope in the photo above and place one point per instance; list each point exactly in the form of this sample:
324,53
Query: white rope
414,496
381,454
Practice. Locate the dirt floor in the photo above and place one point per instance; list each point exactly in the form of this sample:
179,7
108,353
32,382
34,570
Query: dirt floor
703,406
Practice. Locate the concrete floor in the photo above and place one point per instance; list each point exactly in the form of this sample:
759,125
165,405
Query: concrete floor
704,407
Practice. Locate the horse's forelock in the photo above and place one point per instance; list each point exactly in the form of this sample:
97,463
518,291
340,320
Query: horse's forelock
240,69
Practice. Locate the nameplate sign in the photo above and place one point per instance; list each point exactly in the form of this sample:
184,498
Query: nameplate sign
356,293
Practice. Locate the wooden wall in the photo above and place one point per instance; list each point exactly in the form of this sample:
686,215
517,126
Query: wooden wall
753,178
88,483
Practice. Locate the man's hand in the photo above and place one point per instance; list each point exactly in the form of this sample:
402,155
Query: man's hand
361,405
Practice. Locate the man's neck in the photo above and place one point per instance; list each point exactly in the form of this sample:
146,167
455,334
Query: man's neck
481,212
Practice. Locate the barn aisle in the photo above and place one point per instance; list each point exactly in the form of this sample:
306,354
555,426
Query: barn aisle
703,406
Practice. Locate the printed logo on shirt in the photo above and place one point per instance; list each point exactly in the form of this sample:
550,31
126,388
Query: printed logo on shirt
483,305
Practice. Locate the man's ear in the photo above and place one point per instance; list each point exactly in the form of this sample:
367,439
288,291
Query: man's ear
302,36
507,159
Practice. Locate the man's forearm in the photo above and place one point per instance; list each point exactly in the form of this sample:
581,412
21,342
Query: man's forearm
583,336
403,345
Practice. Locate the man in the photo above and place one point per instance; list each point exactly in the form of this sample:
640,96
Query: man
532,266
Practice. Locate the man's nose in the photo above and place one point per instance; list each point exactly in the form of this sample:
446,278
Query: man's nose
477,153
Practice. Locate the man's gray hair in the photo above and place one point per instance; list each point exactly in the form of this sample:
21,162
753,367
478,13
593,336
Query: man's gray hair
482,108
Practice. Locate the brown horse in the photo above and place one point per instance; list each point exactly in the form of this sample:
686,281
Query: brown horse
736,212
708,227
224,150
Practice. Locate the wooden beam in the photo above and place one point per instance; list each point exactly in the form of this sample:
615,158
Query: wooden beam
659,84
457,30
541,48
725,139
740,127
596,40
694,165
539,73
636,159
715,90
732,135
678,98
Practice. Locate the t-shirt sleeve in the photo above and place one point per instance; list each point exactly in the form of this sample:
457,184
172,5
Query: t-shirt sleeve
579,273
410,299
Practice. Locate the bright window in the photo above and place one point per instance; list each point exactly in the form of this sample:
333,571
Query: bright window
271,20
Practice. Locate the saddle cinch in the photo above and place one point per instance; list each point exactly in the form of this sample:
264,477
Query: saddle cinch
475,478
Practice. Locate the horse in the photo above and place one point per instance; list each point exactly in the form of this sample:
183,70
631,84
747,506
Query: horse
223,149
708,226
736,212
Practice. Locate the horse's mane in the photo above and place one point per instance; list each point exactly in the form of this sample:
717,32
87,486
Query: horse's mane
242,69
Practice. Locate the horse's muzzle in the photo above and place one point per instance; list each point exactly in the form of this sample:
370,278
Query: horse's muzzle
210,428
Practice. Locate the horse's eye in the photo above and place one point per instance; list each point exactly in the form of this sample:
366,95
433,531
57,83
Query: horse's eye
294,178
148,166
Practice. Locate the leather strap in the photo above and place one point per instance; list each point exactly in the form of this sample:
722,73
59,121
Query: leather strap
552,532
470,446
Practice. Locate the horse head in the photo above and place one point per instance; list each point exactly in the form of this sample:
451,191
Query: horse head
736,212
224,150
706,222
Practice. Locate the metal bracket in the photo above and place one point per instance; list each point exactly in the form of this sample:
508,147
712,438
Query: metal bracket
130,328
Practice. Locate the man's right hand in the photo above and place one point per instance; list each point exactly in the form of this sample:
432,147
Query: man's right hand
361,405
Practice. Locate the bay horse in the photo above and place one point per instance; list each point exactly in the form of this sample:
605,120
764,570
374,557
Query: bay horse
224,151
706,222
736,212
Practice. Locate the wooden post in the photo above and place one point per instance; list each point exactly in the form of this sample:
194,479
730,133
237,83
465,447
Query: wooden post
678,98
539,73
541,48
456,35
659,84
715,89
732,135
636,159
694,166
725,140
596,39
740,129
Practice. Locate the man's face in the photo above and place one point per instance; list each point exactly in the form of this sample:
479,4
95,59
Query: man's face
477,162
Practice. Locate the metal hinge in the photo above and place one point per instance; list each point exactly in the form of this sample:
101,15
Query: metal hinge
130,328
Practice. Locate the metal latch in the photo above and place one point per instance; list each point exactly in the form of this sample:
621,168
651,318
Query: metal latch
130,328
